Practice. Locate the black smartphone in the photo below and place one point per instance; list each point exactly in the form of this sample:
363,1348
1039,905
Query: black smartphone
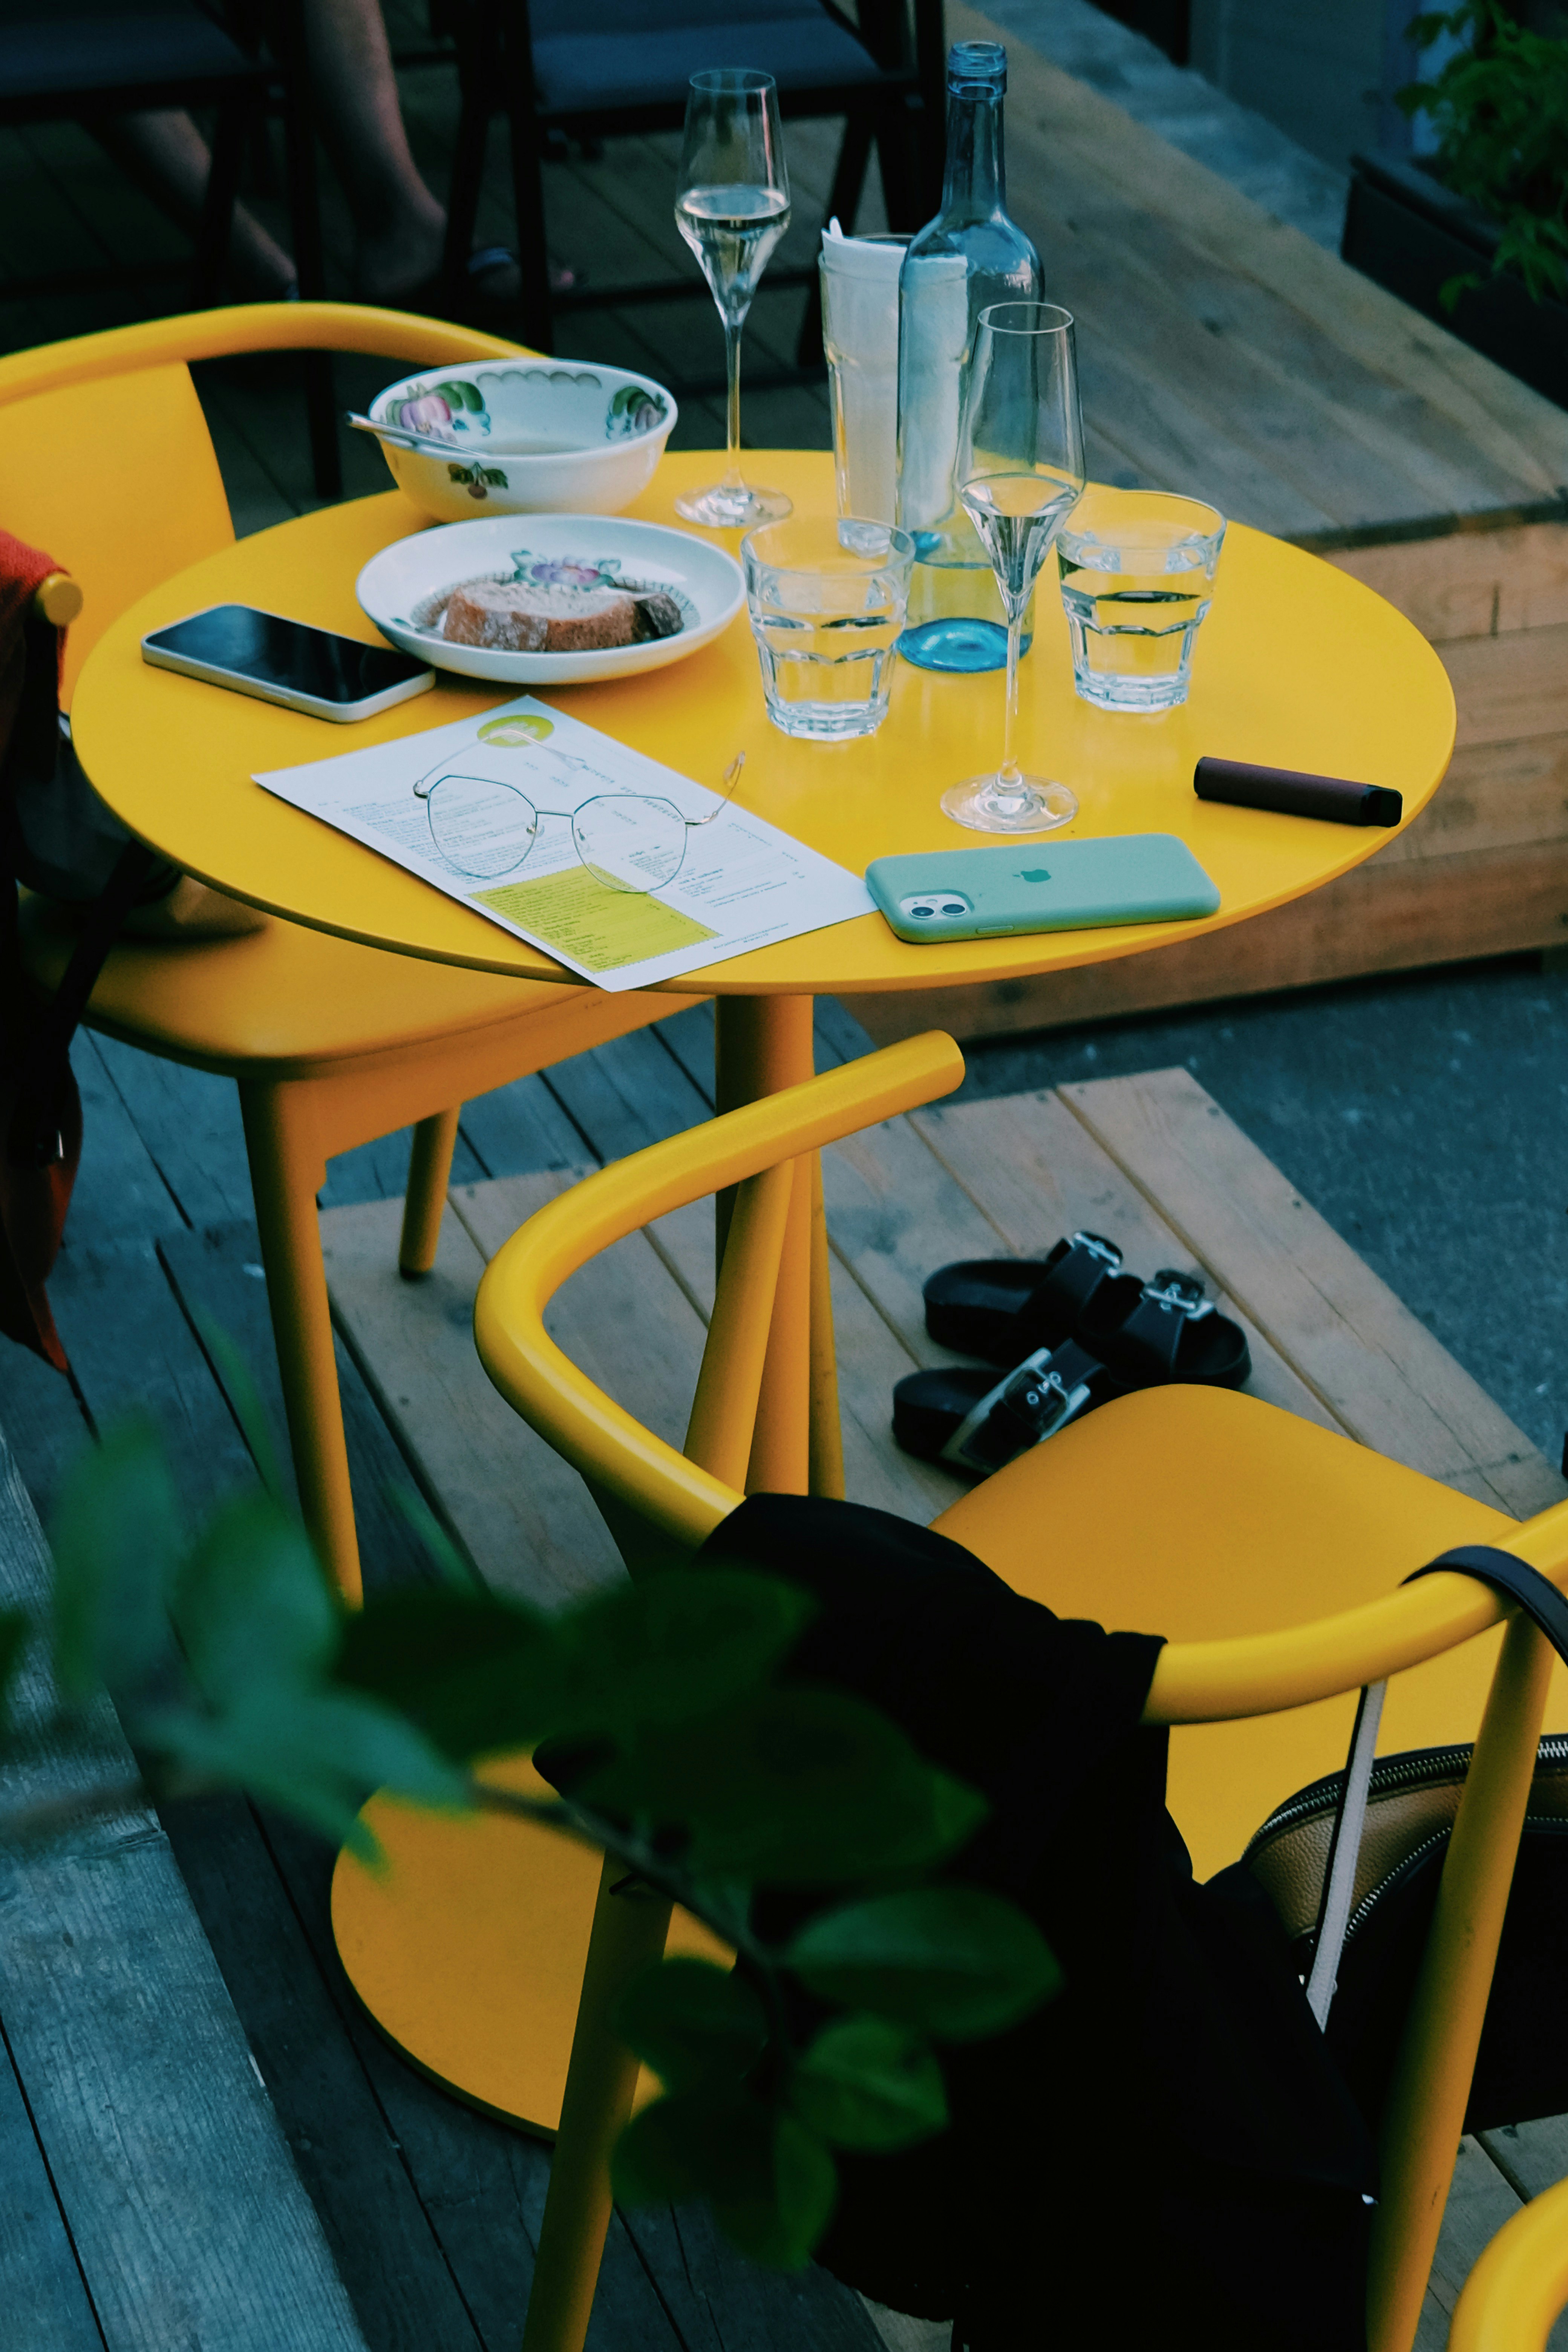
279,660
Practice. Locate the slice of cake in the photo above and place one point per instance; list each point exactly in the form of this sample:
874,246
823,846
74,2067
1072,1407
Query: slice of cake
517,617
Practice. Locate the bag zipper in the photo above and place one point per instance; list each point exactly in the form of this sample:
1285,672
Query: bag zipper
1432,1764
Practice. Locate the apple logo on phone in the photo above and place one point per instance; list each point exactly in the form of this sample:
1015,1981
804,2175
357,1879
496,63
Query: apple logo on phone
1035,873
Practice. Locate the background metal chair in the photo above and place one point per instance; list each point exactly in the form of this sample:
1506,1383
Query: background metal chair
331,1043
90,61
598,69
1269,1549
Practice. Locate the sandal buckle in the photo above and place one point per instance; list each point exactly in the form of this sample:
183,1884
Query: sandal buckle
1097,1247
1034,1400
1182,1293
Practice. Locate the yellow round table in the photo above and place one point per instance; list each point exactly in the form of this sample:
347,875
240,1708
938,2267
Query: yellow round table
469,1950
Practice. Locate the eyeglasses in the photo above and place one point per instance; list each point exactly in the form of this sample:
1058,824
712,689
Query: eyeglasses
628,841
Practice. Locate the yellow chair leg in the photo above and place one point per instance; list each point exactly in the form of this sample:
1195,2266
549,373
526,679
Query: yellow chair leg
287,1171
429,1172
826,1423
629,1931
1431,2088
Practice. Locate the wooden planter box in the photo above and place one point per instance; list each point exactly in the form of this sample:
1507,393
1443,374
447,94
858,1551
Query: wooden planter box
1227,357
1413,235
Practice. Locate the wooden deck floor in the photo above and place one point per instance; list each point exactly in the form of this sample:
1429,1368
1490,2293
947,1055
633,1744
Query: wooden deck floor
431,2210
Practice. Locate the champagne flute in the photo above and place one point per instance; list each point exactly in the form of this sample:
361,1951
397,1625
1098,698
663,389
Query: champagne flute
1020,472
733,207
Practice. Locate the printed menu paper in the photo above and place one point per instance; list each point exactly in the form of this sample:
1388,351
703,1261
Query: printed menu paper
527,816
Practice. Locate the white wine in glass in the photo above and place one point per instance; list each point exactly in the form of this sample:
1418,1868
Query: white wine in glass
1021,474
733,207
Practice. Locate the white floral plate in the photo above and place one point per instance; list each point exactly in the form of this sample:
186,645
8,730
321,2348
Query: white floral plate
402,589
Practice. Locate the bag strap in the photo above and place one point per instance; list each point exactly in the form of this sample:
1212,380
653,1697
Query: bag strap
1547,1608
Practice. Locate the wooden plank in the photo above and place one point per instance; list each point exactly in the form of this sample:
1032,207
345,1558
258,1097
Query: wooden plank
521,1127
346,2151
900,2333
1382,918
1038,1174
41,2290
1509,687
481,2185
621,1317
1076,156
1379,1370
1471,583
524,1518
1480,2202
217,1273
721,2302
188,2218
627,1092
1494,796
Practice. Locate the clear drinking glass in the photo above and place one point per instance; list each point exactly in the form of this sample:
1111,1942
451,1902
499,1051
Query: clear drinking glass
1021,473
733,207
828,601
1137,573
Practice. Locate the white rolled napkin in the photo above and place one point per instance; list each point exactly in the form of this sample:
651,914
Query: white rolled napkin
860,336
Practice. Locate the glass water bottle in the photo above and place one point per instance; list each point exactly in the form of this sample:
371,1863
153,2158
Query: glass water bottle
971,255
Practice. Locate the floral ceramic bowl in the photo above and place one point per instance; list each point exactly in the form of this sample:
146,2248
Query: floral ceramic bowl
524,436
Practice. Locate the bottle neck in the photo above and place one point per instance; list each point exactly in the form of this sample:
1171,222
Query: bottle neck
976,179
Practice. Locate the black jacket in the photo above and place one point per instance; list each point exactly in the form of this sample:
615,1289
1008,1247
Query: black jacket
1162,2155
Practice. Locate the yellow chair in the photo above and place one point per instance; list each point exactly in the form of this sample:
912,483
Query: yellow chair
1521,2283
106,462
1269,1549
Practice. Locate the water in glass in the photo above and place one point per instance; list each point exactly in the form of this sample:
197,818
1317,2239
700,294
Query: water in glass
732,206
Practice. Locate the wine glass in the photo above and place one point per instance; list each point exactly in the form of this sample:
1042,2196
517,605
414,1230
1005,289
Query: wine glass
1020,472
733,207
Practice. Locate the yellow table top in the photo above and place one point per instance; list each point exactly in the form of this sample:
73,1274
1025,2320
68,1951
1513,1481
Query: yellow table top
1297,664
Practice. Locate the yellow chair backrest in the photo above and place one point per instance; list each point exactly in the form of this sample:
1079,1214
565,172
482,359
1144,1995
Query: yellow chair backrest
1521,2283
105,458
679,1499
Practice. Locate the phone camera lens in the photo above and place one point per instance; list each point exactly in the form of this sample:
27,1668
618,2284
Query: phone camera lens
922,910
954,907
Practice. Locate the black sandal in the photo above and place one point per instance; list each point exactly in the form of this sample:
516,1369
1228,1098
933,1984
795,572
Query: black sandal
1149,1334
975,1423
1132,1335
1001,1308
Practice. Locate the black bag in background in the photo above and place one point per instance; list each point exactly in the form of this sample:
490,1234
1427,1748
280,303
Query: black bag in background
1167,2146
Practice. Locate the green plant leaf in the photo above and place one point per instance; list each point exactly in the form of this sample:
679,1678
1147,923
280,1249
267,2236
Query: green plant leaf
476,1674
677,1644
769,2180
795,1788
16,1632
116,1539
318,1753
955,1960
695,2024
868,2083
252,1604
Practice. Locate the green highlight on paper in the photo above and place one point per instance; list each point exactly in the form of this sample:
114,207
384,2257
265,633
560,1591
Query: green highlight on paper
598,928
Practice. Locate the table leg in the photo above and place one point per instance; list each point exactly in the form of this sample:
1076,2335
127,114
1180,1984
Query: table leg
762,1045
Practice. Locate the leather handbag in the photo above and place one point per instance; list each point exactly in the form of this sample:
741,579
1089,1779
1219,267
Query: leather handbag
1352,1865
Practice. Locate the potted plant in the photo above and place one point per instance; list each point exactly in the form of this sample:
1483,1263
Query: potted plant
1479,240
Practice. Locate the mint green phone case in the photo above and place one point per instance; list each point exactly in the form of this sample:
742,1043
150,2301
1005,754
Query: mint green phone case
1063,885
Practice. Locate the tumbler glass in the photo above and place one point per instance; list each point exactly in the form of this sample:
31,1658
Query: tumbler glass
1137,575
828,601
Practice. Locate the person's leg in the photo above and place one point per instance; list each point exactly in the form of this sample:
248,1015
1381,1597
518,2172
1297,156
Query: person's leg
166,156
398,224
